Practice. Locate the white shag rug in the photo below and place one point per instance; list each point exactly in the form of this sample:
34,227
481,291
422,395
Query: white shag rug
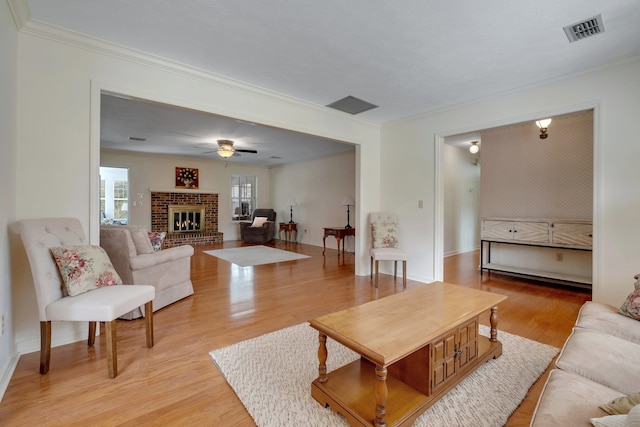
255,255
272,376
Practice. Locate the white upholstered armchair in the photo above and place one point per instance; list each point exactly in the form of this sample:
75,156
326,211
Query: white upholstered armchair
105,303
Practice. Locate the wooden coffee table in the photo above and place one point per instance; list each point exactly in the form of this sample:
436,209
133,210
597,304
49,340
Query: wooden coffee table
415,346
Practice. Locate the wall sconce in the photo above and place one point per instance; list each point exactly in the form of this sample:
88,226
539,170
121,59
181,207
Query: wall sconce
474,147
543,125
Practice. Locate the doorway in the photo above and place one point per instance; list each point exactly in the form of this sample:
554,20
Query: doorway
523,176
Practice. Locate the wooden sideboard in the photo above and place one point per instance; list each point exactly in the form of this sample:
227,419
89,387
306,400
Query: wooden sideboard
551,233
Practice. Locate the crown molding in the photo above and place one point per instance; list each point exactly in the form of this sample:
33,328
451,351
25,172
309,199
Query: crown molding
20,12
34,27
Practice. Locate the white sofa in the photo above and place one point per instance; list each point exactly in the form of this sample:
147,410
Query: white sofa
168,270
598,363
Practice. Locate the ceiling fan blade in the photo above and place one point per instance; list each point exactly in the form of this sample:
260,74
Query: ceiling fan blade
246,151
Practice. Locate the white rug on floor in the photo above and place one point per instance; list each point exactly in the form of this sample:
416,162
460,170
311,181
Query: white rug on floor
272,376
246,256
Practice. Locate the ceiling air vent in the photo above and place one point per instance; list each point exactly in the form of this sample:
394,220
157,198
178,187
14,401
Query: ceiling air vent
352,105
582,30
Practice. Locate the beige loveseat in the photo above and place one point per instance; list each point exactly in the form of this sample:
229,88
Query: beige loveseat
598,363
168,270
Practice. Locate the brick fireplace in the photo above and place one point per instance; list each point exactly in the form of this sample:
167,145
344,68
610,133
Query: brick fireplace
208,234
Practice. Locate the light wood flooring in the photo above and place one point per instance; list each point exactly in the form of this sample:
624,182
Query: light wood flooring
175,382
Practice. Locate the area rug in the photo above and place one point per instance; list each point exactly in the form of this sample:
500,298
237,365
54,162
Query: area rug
254,255
272,376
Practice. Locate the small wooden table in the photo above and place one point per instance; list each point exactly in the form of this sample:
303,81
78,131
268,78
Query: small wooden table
339,233
288,228
415,346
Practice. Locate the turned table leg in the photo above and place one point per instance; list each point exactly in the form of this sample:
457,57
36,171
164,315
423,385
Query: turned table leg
381,393
322,358
493,319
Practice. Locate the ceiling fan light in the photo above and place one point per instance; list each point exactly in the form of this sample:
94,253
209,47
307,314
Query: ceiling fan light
225,153
474,147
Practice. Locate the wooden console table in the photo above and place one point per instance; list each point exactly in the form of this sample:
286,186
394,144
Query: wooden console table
415,346
288,228
339,233
543,233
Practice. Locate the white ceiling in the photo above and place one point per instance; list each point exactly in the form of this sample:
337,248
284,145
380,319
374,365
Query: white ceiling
181,132
408,57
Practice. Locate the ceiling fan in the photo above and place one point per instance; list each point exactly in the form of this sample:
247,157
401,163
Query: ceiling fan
226,149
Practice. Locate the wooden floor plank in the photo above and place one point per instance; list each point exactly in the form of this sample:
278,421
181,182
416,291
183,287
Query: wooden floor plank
175,382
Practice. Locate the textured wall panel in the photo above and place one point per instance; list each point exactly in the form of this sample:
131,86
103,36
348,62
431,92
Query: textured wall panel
524,176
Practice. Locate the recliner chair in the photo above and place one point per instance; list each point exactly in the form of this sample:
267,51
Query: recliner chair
259,234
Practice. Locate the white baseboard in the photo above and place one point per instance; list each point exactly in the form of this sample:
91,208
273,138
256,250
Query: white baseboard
7,373
461,251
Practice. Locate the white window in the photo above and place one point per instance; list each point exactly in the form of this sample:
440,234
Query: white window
243,196
114,195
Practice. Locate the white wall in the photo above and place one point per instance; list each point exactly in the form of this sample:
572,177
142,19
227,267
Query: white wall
461,200
318,185
614,91
8,95
157,172
59,88
524,176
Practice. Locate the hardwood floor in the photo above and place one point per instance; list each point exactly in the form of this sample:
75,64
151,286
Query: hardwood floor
175,382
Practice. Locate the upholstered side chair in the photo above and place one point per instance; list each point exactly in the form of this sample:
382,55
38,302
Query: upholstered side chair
384,244
264,232
103,304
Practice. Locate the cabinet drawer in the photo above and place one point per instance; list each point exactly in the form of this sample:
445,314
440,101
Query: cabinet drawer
500,230
572,234
535,232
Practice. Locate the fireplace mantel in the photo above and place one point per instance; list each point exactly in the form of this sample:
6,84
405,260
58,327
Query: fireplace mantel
181,190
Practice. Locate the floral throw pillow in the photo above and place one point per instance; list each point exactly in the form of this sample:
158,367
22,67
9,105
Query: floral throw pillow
157,237
84,268
384,235
631,306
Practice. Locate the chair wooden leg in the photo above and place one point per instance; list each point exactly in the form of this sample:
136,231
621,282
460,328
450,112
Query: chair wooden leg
371,268
45,346
377,266
404,274
112,354
148,318
395,269
91,339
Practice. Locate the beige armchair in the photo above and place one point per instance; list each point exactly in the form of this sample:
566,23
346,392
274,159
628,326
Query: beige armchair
168,270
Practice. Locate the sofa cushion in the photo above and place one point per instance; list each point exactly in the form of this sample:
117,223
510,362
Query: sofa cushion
84,268
603,358
606,319
141,240
570,400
